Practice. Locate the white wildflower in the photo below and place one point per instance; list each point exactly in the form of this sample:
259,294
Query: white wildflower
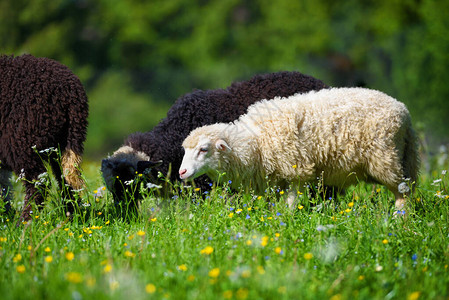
435,182
443,172
152,185
129,182
403,188
51,149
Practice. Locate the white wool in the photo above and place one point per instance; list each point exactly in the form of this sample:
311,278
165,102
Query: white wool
346,134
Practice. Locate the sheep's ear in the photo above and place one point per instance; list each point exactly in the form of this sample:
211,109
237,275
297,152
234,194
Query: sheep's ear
144,164
222,145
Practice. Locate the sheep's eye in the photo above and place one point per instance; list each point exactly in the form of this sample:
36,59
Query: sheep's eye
203,150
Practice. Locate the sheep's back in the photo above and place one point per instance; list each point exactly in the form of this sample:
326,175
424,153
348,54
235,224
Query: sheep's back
331,129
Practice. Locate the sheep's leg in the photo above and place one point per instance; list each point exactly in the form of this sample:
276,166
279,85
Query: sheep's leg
6,188
292,195
32,194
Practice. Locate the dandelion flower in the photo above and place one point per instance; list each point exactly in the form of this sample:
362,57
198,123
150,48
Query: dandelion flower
20,269
249,242
150,288
47,249
69,256
227,294
231,215
74,277
182,267
351,204
264,241
107,268
140,233
241,293
208,250
414,296
308,256
129,254
246,274
48,259
278,250
385,241
17,257
214,273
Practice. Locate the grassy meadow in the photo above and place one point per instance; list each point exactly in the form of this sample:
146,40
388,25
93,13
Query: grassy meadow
223,245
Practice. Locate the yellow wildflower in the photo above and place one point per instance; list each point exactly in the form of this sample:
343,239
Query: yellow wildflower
107,268
20,269
227,294
153,219
300,207
48,259
150,288
69,256
208,250
351,204
17,257
140,233
47,249
214,273
308,256
191,278
260,270
182,267
385,241
264,241
249,242
129,254
414,296
74,277
241,293
278,250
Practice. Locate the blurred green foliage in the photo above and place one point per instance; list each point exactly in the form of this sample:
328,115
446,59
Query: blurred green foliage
136,57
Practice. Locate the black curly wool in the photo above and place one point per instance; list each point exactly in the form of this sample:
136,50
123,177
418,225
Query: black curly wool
201,108
43,105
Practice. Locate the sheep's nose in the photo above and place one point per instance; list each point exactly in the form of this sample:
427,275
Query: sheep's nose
182,172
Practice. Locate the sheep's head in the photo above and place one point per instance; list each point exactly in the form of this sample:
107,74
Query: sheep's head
122,167
201,156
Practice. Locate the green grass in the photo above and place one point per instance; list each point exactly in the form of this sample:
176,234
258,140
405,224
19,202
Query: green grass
232,246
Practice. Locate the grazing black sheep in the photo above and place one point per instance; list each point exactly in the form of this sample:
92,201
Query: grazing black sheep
43,106
196,109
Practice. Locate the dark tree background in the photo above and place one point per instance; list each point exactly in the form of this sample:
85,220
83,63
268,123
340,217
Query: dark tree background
136,57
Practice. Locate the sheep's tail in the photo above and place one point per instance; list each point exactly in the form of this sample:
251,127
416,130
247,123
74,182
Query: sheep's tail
71,164
77,114
411,159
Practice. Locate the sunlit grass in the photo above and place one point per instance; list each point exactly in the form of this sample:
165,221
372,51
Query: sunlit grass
222,245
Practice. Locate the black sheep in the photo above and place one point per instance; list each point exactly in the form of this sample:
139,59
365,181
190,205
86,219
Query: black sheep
43,107
163,143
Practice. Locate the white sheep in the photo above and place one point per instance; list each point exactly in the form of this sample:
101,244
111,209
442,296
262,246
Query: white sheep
342,134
